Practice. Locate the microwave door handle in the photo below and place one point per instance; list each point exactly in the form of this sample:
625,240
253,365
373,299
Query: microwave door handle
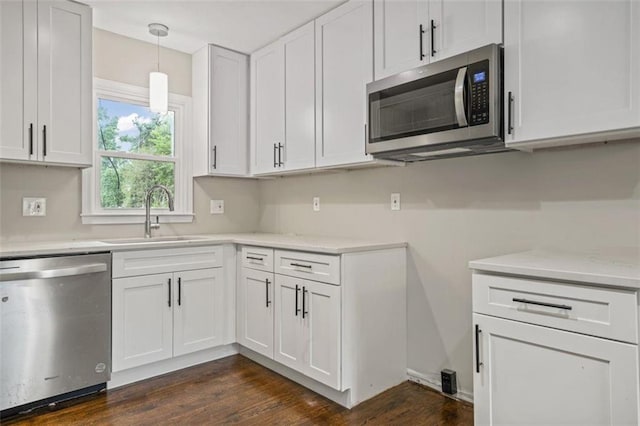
458,97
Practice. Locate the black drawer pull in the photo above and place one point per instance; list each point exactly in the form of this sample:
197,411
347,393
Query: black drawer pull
300,265
255,258
304,304
297,290
267,282
548,305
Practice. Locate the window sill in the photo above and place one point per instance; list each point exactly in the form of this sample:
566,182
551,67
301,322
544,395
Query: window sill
133,218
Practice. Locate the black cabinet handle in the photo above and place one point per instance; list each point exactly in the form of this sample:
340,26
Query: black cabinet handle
44,140
478,363
433,31
169,286
300,265
509,113
266,286
275,162
255,258
297,290
280,148
548,305
179,291
421,36
304,303
30,138
215,156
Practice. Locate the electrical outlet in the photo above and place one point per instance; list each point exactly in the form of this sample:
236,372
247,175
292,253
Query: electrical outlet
395,201
316,204
32,206
217,207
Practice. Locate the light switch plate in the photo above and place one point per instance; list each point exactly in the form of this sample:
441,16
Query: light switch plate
395,201
217,206
34,206
316,204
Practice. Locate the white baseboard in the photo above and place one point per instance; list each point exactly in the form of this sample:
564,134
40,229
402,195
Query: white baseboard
433,381
148,371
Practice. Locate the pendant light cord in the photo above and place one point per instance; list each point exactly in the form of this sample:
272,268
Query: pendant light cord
158,36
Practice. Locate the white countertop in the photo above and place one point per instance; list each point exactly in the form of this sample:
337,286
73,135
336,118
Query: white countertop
617,268
315,244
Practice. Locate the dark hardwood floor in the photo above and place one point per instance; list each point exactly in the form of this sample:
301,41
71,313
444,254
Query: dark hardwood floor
239,391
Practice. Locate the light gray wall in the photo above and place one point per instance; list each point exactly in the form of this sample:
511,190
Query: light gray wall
461,209
129,61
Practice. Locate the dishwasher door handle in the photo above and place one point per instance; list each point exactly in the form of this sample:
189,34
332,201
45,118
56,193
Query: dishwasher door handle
54,273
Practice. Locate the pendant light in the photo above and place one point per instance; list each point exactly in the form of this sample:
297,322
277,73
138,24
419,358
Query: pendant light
158,81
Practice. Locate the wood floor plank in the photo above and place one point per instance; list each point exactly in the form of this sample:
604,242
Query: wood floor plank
236,390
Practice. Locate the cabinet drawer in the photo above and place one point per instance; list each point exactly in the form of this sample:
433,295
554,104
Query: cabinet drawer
143,262
317,267
602,312
257,258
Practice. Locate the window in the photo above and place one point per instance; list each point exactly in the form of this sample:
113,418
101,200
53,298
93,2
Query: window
135,149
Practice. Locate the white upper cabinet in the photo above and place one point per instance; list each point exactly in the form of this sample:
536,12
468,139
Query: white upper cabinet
220,97
571,68
46,78
283,100
344,66
410,33
462,25
300,97
267,108
18,63
401,35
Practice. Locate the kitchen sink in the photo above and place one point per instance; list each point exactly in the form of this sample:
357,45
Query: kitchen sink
153,240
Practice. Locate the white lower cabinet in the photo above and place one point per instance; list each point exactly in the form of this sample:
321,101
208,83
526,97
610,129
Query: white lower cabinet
178,311
157,317
333,323
255,311
142,320
307,324
554,353
527,374
198,310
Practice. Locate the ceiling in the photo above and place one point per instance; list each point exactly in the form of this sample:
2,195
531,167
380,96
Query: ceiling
242,25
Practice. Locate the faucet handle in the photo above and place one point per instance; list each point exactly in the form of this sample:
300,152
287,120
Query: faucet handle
157,224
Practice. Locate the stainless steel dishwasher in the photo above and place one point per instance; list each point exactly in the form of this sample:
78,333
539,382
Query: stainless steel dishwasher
55,329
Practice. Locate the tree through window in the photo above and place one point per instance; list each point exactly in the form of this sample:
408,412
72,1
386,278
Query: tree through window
136,149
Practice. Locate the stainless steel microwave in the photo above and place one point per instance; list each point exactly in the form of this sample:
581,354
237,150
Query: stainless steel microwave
449,108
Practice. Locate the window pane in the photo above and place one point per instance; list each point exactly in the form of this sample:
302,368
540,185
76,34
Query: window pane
124,182
134,128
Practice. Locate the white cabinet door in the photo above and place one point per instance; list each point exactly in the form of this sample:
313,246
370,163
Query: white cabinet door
142,320
571,67
18,80
255,311
402,36
344,66
267,103
228,112
540,376
299,59
463,25
198,311
321,312
64,82
290,331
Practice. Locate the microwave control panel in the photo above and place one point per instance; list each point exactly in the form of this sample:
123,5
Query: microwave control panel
479,76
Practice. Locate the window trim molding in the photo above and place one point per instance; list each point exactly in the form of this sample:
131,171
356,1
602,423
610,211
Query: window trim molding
92,212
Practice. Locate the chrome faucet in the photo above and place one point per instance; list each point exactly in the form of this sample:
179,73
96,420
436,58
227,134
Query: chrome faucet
148,226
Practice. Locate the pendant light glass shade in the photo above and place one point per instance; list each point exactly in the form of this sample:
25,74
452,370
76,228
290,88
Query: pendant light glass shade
158,81
158,92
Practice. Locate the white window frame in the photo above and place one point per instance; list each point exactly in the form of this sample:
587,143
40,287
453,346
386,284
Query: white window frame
92,211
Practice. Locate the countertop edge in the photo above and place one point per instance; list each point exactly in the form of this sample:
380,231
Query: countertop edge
89,246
